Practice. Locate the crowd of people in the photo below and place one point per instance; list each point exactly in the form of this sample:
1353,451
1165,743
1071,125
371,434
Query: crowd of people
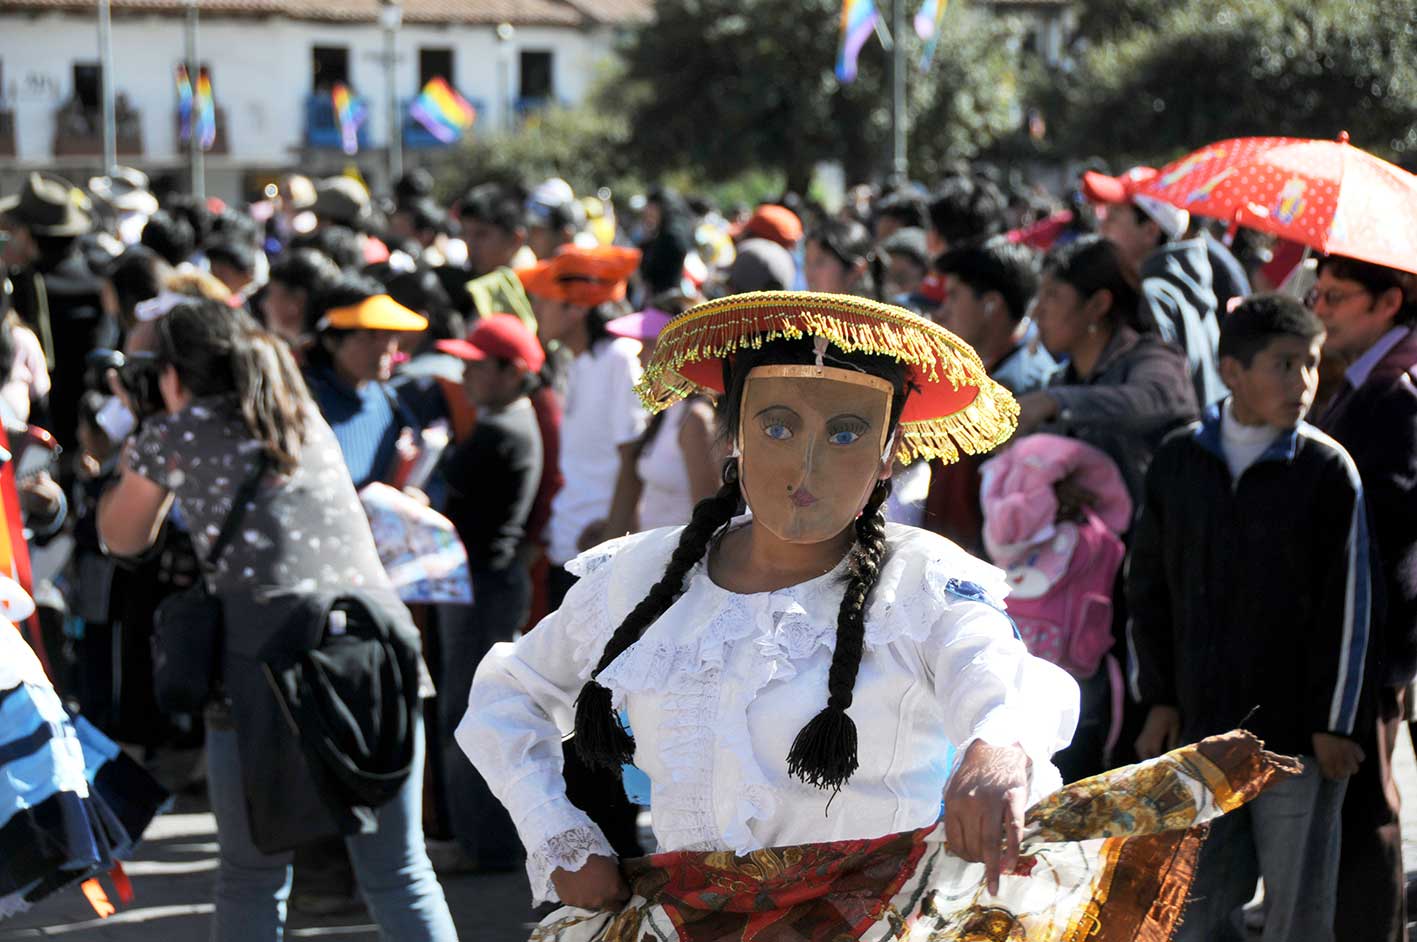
1214,528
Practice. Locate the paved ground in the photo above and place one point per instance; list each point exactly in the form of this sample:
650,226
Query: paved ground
173,882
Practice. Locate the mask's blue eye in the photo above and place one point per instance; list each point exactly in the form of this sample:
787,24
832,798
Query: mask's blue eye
777,431
844,437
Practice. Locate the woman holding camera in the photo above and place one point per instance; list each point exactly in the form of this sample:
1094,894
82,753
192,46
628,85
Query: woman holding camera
236,410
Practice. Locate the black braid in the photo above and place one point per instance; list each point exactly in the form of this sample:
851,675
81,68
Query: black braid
824,752
600,738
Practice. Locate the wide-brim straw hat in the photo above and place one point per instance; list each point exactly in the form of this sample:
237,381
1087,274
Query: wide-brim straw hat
952,405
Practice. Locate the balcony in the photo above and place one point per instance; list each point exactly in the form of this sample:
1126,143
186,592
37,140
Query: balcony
417,137
322,130
7,133
219,146
78,130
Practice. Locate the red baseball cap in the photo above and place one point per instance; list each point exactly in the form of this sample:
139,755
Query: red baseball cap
1100,188
499,335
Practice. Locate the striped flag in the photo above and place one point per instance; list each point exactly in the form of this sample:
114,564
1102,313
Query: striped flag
927,27
349,115
184,101
858,20
440,109
206,110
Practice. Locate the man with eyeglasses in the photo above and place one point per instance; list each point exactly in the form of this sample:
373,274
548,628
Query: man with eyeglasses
1369,311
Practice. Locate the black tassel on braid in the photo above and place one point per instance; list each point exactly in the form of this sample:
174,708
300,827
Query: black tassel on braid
601,740
824,752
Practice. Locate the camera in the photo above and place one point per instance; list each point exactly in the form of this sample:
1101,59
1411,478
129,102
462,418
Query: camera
137,373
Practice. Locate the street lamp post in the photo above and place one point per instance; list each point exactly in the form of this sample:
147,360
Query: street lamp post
110,115
391,18
506,32
900,165
196,160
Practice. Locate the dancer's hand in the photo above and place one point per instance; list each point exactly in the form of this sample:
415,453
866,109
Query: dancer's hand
597,885
984,807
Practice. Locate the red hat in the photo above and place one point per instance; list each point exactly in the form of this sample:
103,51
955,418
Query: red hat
1101,188
499,335
774,223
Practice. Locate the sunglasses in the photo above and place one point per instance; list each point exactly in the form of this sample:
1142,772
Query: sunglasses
1331,298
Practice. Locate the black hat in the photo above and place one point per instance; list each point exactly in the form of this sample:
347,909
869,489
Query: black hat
48,205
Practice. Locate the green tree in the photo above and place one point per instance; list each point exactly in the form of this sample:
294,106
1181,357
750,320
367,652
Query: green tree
1213,69
744,84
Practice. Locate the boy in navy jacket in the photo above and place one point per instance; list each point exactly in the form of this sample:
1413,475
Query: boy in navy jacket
1249,593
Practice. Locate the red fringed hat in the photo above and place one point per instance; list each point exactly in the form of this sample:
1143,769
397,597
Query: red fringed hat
953,405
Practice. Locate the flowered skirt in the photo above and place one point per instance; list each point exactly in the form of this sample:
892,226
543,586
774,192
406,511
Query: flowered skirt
1106,859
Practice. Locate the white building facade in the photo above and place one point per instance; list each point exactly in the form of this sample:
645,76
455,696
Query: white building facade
272,64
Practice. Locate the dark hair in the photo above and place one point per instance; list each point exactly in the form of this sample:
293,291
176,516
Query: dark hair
1261,318
1009,268
421,291
233,253
305,270
170,237
824,752
850,242
230,226
425,215
1091,264
414,185
136,275
218,350
1143,217
968,209
908,244
1377,280
906,206
347,290
340,244
662,264
495,205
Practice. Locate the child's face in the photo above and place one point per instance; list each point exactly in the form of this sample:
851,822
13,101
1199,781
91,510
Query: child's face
1277,388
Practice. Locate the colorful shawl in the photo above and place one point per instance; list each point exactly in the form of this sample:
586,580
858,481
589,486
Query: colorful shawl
1106,859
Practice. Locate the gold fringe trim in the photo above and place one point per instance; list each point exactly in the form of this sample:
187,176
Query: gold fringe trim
718,329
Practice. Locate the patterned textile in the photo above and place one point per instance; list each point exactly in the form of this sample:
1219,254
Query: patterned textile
1106,859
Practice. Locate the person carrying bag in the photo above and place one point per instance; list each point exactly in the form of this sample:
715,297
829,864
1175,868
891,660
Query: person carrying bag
309,617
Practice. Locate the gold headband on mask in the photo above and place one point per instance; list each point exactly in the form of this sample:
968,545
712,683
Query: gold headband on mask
835,374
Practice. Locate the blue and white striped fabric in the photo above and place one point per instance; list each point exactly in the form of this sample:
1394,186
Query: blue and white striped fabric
70,801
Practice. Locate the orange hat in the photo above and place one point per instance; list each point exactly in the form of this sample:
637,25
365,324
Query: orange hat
582,276
379,312
774,223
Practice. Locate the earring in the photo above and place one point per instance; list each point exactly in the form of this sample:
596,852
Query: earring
1092,328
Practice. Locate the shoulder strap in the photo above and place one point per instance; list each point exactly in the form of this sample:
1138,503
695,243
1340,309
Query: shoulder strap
237,512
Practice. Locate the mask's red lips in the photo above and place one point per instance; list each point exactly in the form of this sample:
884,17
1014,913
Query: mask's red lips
803,498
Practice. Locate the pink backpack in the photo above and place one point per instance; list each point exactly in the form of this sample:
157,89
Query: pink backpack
1060,594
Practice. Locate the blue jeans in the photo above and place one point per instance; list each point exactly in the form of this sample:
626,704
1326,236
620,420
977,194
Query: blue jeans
1290,836
391,865
501,603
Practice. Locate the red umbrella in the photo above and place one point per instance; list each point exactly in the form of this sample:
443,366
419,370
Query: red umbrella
1328,195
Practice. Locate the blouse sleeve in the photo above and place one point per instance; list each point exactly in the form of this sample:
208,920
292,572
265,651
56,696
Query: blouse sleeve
521,706
151,456
990,688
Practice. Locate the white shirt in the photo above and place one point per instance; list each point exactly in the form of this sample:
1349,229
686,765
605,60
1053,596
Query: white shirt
719,686
667,499
1242,444
602,413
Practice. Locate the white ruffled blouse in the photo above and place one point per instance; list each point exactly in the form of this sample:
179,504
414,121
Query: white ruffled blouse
719,686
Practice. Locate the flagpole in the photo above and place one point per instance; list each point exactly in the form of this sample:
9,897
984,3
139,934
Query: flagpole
391,17
110,116
900,165
196,160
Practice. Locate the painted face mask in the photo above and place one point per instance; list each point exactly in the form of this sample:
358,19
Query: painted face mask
813,443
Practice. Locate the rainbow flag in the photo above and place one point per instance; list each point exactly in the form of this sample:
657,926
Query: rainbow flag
927,27
206,110
349,114
440,109
858,20
184,101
